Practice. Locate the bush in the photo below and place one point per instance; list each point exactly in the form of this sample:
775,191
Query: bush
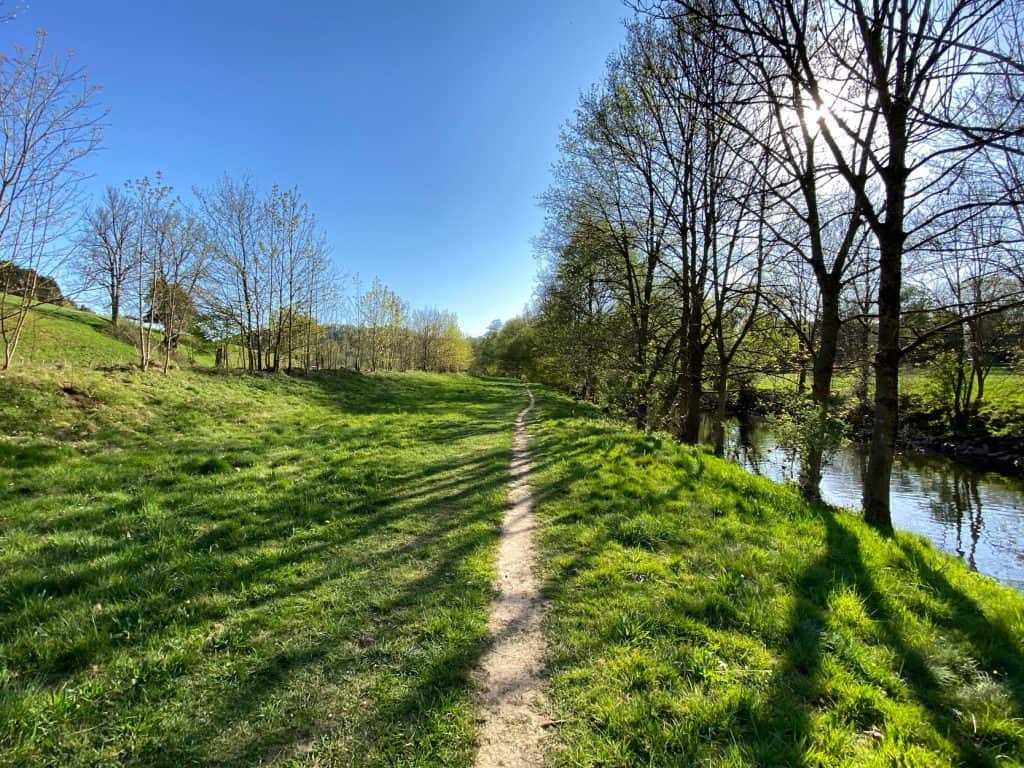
805,425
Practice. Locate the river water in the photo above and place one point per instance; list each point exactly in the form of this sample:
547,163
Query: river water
976,515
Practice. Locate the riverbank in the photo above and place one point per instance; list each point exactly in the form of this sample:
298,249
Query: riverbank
924,430
702,615
990,438
993,454
971,512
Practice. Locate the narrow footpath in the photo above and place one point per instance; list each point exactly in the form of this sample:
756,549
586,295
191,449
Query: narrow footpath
510,678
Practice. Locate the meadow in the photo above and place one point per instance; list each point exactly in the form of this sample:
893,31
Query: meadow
209,569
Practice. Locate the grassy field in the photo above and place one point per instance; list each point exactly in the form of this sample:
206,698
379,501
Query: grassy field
702,616
215,569
209,569
1001,411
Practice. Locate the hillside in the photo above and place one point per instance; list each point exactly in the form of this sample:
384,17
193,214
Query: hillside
58,335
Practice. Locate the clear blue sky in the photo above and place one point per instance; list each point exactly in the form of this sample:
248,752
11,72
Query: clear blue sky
420,133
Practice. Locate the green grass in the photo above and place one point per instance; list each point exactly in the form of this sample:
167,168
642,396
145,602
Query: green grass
209,569
843,384
1001,411
56,335
64,336
703,616
214,569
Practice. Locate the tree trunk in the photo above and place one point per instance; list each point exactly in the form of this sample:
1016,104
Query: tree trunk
977,361
824,362
11,340
643,399
864,364
693,373
642,409
887,371
11,344
718,419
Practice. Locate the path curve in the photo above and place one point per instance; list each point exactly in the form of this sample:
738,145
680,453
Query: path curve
511,674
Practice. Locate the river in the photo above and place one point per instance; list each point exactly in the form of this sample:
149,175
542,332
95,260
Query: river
975,515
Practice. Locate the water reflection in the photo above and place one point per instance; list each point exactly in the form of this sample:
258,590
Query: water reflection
975,515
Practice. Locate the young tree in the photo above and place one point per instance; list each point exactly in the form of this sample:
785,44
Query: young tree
183,252
236,287
151,245
292,251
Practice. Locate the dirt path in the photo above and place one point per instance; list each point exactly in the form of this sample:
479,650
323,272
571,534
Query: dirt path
510,677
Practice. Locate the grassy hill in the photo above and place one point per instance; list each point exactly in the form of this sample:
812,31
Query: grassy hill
57,335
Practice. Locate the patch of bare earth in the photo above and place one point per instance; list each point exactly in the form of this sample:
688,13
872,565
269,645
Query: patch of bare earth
511,674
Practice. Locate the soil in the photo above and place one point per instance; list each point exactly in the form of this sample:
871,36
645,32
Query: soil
510,679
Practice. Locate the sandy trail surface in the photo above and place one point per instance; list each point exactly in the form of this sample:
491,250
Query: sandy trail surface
511,674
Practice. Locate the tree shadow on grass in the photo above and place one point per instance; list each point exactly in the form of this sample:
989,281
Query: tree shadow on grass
911,611
21,456
231,547
389,716
227,571
993,645
782,730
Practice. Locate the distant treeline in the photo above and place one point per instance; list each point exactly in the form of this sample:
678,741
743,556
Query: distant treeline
388,337
251,272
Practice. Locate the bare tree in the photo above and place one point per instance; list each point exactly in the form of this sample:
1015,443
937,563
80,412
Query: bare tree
49,120
181,265
230,213
293,250
151,245
107,257
889,88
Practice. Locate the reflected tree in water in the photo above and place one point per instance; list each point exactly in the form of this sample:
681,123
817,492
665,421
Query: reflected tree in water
954,500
